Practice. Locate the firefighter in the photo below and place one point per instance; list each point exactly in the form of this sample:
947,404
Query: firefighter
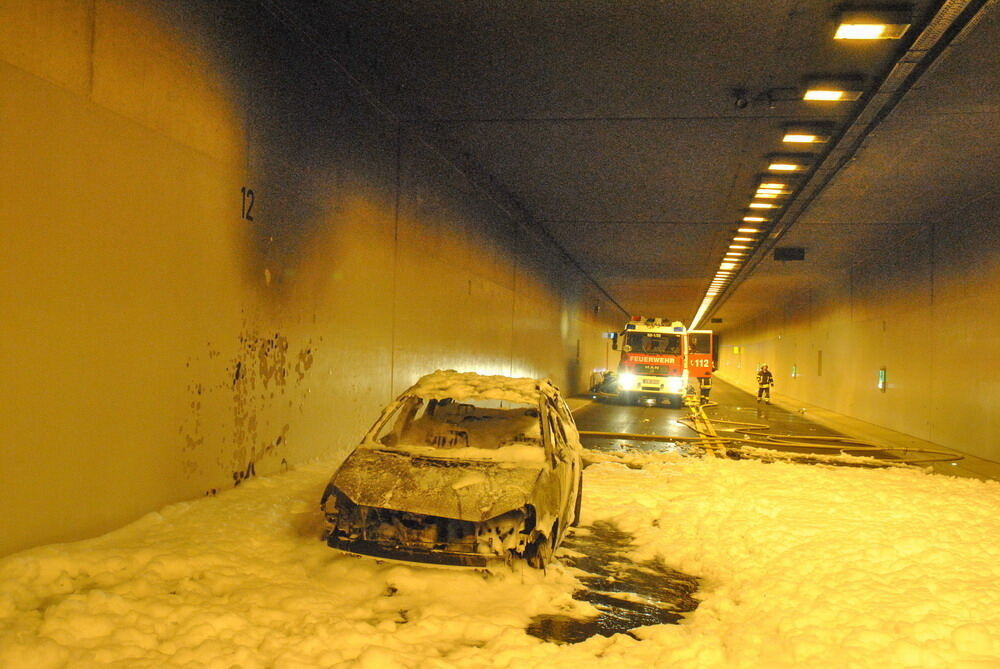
705,385
764,382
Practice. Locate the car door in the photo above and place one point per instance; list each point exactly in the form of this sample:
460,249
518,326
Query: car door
566,464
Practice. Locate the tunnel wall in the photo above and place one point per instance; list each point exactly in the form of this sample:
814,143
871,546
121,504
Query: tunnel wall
925,309
221,257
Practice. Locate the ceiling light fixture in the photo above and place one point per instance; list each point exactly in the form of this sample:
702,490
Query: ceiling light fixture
787,163
738,246
832,90
754,219
742,239
805,134
762,205
749,230
774,185
801,138
872,24
784,162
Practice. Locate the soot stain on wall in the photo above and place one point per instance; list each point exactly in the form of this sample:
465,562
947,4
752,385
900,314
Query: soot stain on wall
261,382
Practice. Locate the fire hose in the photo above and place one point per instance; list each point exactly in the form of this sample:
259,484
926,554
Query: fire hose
751,443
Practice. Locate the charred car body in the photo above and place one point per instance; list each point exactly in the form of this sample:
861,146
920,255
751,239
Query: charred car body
461,469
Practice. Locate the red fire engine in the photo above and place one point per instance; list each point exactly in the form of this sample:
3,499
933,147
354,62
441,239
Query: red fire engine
700,354
662,361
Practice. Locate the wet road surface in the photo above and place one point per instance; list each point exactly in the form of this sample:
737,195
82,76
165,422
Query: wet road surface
729,404
737,405
610,416
630,594
732,404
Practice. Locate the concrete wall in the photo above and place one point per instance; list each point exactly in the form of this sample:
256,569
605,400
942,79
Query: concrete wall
156,343
924,309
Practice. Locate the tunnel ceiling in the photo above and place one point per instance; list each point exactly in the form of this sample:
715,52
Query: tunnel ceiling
615,126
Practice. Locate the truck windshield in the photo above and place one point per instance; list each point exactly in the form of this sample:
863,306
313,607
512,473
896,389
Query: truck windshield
645,342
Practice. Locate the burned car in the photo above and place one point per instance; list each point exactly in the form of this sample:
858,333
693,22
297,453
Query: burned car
461,469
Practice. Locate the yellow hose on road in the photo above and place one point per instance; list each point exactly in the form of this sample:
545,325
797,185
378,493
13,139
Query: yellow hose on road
708,438
833,443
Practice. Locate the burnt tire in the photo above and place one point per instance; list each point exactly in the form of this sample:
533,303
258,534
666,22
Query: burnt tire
538,552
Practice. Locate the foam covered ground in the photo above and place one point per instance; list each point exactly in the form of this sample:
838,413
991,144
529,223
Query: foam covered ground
801,566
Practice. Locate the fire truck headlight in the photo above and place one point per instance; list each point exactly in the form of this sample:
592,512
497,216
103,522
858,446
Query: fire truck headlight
675,384
626,380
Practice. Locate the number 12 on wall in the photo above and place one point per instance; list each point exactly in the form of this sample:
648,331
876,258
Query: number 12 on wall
247,203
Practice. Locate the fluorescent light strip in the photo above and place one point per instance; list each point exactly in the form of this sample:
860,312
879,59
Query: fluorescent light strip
833,90
859,31
872,24
800,138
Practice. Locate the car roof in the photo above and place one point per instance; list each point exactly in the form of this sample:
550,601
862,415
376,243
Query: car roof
472,386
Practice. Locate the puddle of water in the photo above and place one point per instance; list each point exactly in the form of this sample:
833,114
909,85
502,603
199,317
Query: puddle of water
628,594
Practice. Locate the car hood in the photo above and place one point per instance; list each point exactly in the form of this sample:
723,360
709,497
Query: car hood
460,489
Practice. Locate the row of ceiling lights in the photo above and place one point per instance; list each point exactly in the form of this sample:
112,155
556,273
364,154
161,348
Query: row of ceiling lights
783,168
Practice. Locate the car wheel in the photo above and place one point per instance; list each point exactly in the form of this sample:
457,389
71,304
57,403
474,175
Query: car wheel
539,552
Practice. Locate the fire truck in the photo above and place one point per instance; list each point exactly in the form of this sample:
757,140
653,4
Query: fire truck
662,361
